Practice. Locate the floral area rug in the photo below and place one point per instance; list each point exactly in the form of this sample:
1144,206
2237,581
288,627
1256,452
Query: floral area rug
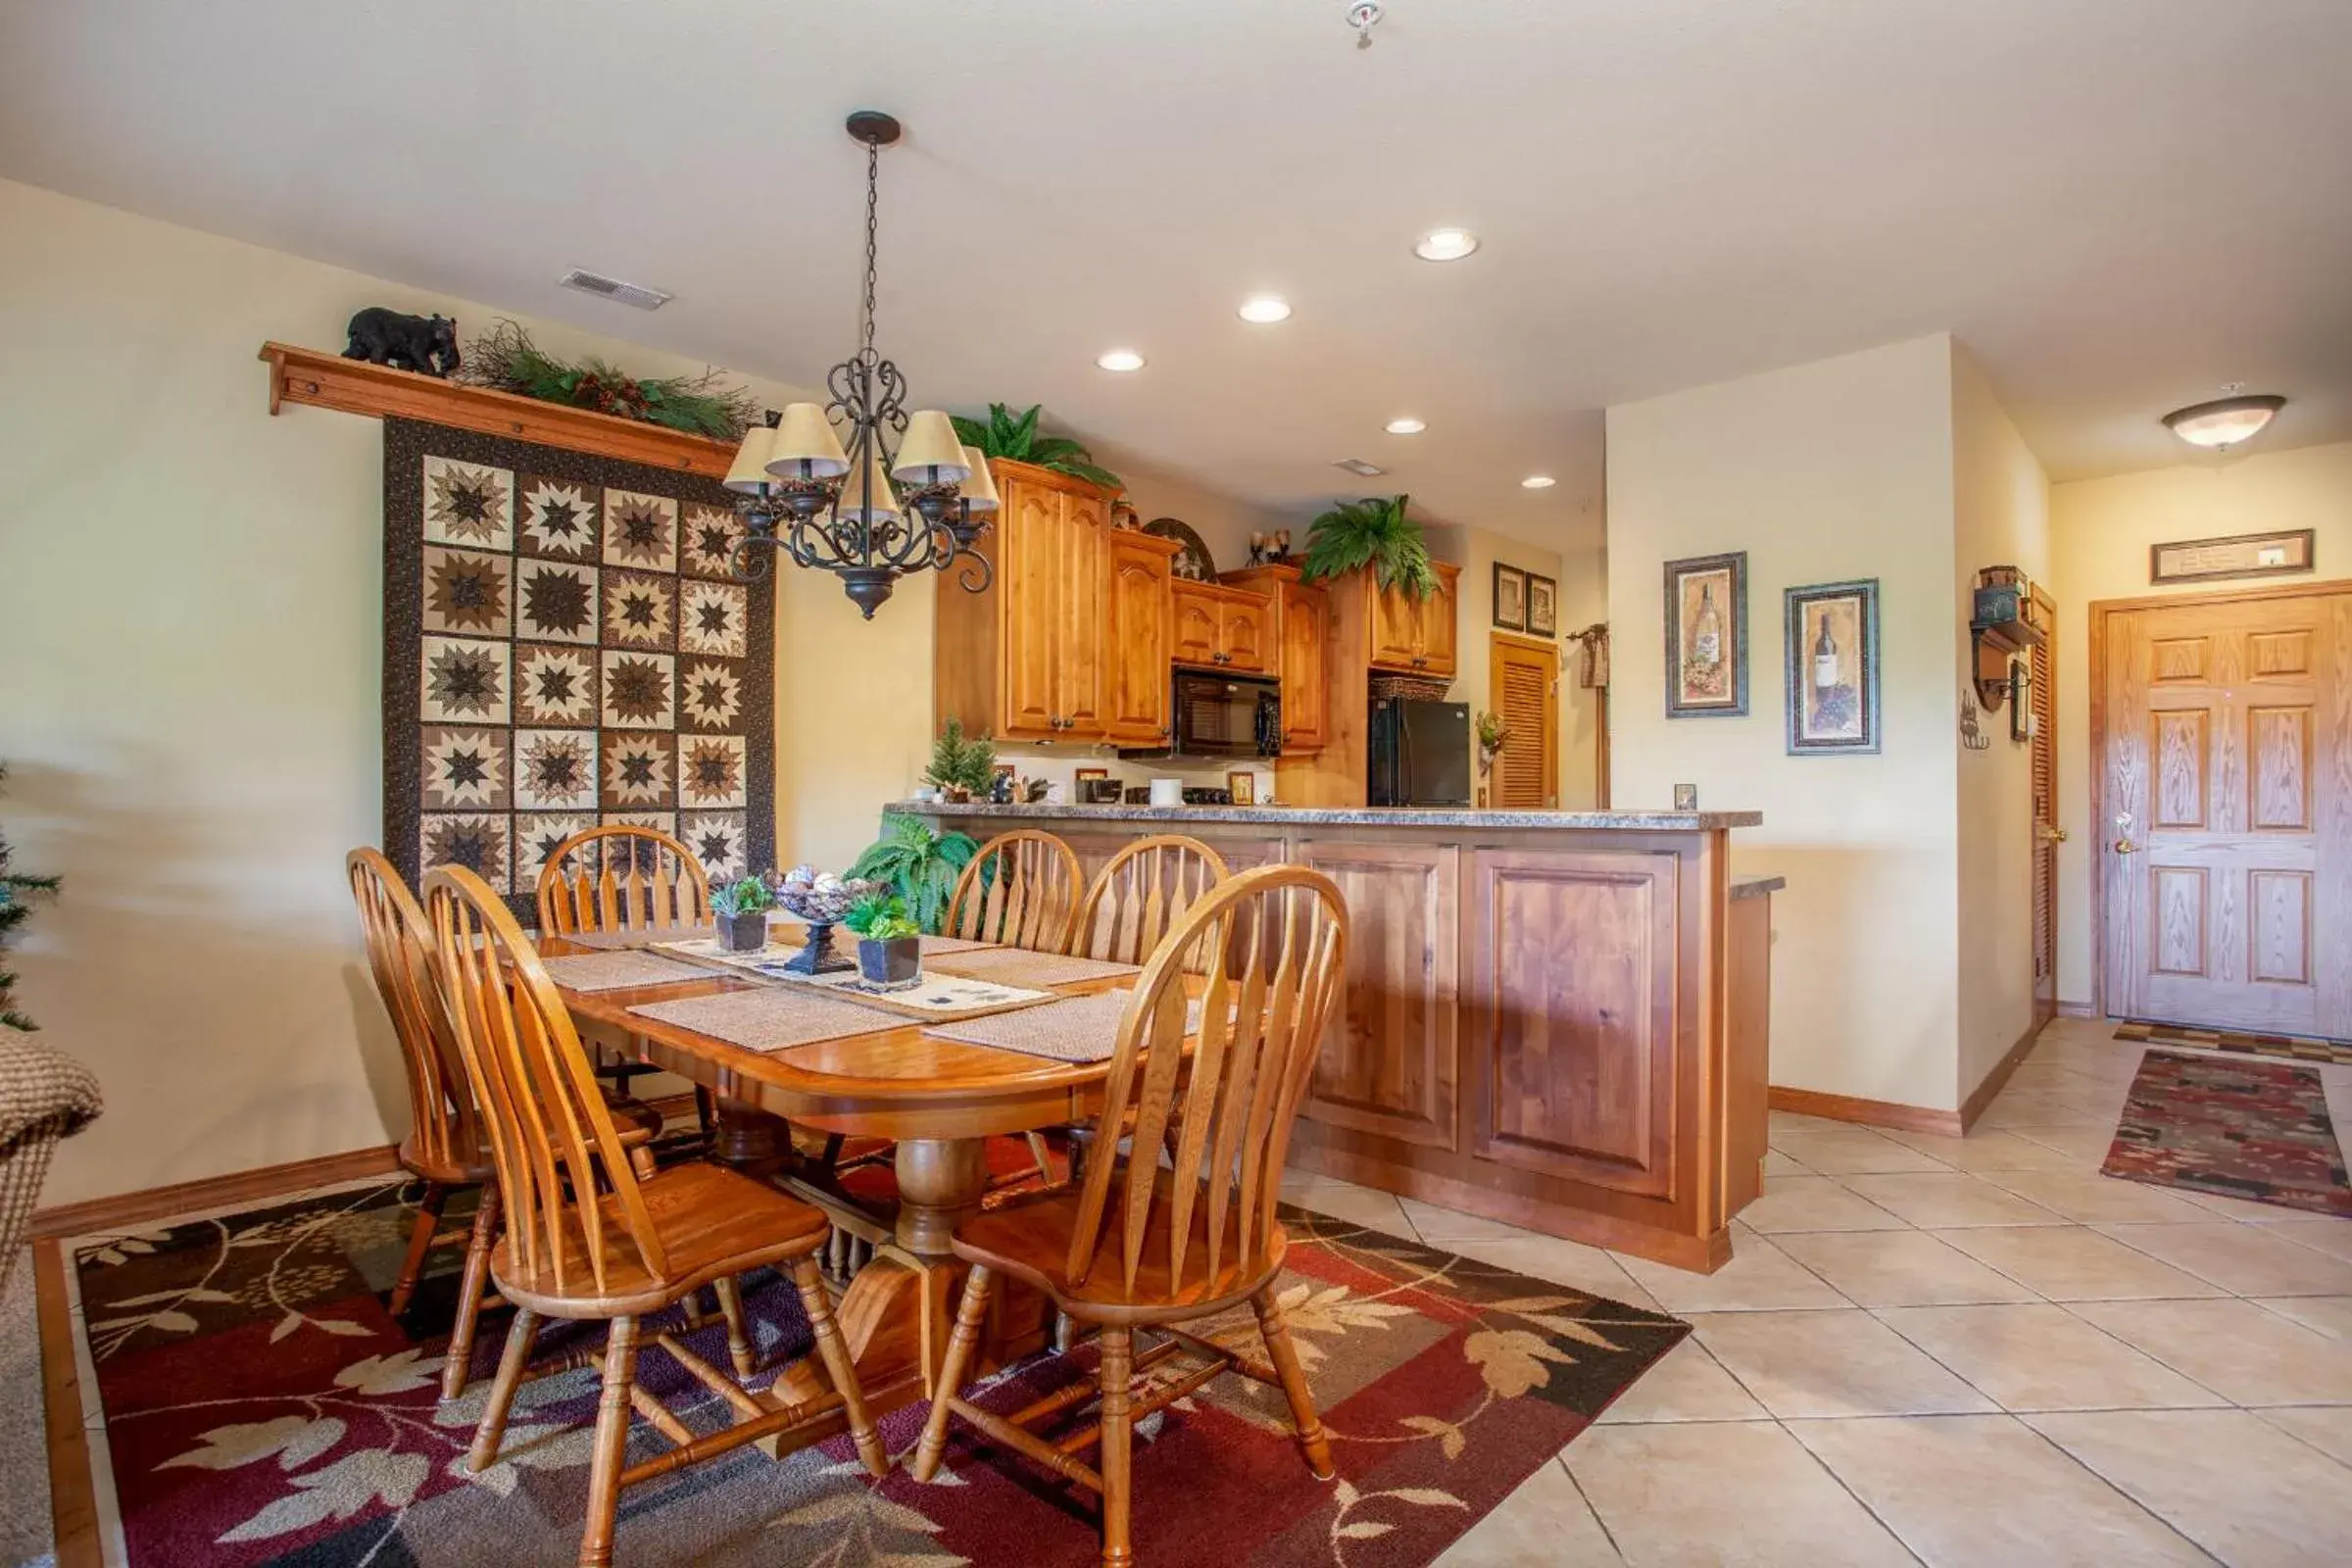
262,1407
2257,1130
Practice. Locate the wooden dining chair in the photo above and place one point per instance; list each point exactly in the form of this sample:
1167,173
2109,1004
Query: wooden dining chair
1022,889
1186,1228
625,878
447,1147
1142,894
590,1237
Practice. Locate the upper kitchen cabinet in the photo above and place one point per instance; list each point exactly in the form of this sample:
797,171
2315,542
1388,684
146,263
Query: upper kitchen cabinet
1301,632
1138,627
1032,658
1223,628
1414,636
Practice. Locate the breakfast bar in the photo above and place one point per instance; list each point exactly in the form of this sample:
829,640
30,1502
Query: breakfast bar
1556,1019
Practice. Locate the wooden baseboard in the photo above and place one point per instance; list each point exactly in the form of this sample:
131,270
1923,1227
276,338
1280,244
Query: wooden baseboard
1983,1095
73,1496
1868,1113
2077,1010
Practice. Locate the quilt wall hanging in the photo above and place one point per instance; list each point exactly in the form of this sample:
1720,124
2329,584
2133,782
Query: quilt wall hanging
563,647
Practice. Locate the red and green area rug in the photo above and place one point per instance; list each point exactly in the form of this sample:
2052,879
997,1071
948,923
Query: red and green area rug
2257,1130
262,1407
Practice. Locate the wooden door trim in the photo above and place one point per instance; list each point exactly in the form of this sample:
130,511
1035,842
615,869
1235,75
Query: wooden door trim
2095,756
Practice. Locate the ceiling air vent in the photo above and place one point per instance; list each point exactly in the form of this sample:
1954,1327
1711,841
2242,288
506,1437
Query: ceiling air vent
612,288
1370,470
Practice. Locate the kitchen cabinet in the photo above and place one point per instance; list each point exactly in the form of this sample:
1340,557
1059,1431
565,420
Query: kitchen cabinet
1032,656
1414,636
1223,628
1137,628
1301,635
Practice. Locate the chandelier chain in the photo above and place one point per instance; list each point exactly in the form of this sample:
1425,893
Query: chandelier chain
873,227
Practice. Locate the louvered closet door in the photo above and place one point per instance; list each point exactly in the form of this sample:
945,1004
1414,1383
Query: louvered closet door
1524,691
2227,852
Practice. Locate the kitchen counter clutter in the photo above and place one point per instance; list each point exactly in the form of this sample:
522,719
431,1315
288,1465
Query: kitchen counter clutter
1557,1020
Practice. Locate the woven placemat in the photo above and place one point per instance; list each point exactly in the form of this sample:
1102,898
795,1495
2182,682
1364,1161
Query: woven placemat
771,1017
1021,966
1073,1029
617,972
652,936
938,945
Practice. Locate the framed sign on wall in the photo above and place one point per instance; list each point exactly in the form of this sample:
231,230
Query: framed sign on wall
2246,555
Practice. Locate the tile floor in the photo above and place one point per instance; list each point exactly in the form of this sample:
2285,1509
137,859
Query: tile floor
1957,1352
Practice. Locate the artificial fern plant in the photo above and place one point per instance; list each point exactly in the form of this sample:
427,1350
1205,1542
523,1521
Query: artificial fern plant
1013,437
918,864
1372,533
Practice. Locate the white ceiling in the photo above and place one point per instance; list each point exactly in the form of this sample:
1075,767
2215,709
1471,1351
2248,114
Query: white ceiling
2119,204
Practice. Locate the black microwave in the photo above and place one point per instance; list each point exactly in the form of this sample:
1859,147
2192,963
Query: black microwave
1220,715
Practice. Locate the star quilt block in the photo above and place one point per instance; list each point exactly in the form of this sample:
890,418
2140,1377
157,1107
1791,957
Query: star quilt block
561,518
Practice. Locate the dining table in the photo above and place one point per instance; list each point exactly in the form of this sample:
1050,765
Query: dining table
938,1099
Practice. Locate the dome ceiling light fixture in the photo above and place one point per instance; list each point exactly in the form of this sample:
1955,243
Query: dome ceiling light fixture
1446,245
2226,422
826,502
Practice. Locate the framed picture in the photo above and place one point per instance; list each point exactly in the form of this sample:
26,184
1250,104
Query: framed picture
1543,606
1686,796
1706,637
1243,785
1833,693
2246,555
1510,598
1084,773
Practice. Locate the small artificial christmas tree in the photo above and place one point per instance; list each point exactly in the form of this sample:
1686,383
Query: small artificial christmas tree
14,890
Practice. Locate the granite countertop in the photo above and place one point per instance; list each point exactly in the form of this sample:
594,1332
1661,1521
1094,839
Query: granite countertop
1757,887
1349,816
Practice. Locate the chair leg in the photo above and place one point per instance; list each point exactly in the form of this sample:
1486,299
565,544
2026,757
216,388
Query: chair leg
421,1242
512,1362
1285,1358
705,1116
729,1291
1119,1450
457,1363
834,1351
952,1372
1042,1155
611,1445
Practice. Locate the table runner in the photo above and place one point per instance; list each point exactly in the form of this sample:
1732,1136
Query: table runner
617,972
1074,1029
770,1018
652,936
1021,966
933,946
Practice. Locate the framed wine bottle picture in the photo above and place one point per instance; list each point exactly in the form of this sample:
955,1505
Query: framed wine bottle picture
1707,636
1833,642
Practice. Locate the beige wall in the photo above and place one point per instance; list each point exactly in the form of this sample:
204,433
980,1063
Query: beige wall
1822,472
2001,511
2101,533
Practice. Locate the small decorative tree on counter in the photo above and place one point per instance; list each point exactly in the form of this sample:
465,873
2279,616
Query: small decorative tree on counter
16,891
963,770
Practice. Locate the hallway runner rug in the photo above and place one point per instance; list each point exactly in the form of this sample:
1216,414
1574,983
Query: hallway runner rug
2256,1130
262,1406
2289,1048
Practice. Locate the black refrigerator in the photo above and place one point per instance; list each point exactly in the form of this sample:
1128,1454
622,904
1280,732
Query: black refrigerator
1420,752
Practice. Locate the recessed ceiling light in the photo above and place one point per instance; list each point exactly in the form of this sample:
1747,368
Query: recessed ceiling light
1445,244
2223,423
1538,481
1120,359
1265,309
1408,425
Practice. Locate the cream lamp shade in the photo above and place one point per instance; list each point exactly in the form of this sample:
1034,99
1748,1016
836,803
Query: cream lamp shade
805,447
979,486
930,454
877,502
750,469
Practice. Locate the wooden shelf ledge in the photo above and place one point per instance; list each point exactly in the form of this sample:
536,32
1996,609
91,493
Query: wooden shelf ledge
353,386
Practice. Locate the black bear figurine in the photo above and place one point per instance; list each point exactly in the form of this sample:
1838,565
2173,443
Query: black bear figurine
427,343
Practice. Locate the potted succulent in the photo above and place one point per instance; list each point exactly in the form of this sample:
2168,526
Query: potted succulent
889,946
961,769
742,910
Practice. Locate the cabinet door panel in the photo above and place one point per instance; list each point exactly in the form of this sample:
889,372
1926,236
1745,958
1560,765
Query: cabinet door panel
1244,635
1570,1016
1305,703
1433,628
1084,577
1195,637
1030,559
1395,626
1136,642
1387,1063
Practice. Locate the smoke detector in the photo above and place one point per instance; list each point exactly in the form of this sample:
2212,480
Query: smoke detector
1363,15
612,288
1358,466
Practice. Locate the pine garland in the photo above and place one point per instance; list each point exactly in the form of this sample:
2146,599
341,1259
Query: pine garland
507,359
15,889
